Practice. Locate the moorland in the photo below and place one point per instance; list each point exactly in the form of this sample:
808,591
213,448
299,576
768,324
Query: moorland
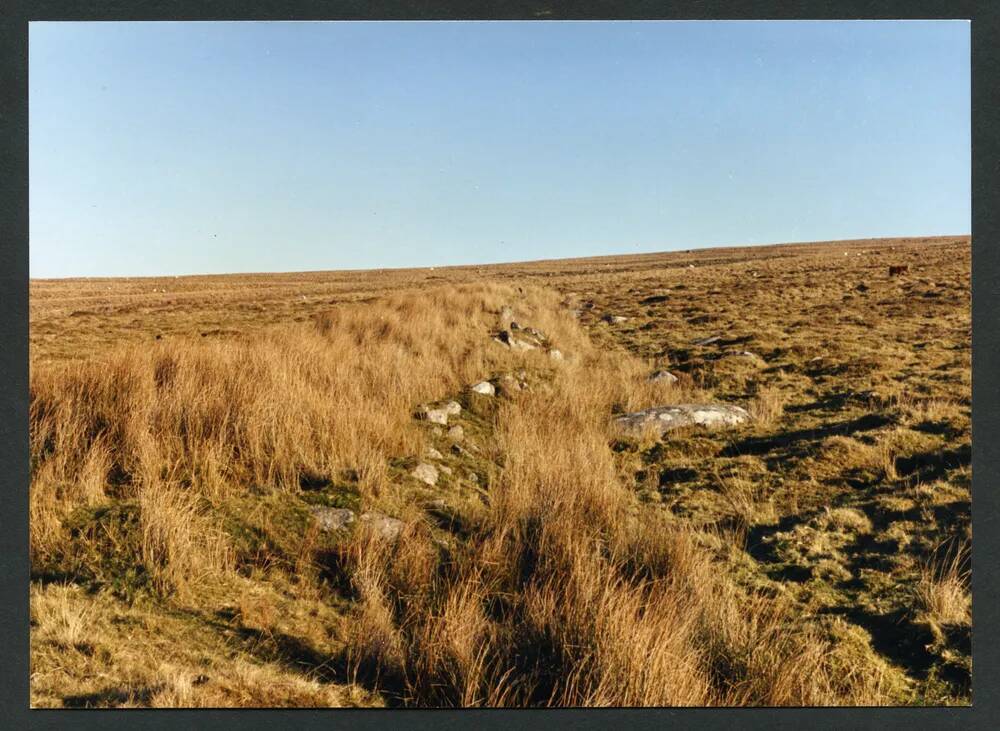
414,488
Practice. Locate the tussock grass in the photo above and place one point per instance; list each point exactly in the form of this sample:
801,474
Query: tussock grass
943,591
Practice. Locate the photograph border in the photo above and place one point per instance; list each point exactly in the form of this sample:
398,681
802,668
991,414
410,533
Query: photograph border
14,364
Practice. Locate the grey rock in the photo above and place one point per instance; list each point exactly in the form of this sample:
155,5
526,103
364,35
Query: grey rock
664,418
384,526
456,433
426,473
446,469
742,354
434,454
435,416
614,319
485,388
555,354
708,340
663,377
453,408
330,520
504,337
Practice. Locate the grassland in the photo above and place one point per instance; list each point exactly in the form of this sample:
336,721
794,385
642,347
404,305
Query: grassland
184,431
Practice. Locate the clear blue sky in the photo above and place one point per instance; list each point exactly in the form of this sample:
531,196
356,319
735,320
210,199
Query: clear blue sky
176,148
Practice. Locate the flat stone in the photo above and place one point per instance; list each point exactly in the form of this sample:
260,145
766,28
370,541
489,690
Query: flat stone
614,319
453,408
426,473
330,520
456,433
664,418
663,377
386,527
435,416
504,337
708,340
485,388
742,354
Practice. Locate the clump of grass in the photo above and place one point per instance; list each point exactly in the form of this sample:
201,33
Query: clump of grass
847,520
942,593
767,404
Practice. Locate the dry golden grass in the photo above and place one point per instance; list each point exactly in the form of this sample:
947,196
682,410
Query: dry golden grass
943,591
173,477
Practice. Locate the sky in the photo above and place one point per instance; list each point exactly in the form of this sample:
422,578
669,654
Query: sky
188,148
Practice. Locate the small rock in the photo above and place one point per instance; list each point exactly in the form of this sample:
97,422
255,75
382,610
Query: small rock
555,354
514,325
511,383
485,388
434,454
665,418
446,469
614,319
437,431
663,377
453,408
435,416
426,473
386,527
329,520
708,340
474,478
456,433
437,505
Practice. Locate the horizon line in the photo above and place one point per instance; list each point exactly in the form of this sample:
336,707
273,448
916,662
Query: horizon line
362,270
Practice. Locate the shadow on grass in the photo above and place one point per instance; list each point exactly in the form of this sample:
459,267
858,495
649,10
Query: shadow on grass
763,445
111,697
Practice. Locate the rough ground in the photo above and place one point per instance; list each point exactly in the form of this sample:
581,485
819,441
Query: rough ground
848,492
